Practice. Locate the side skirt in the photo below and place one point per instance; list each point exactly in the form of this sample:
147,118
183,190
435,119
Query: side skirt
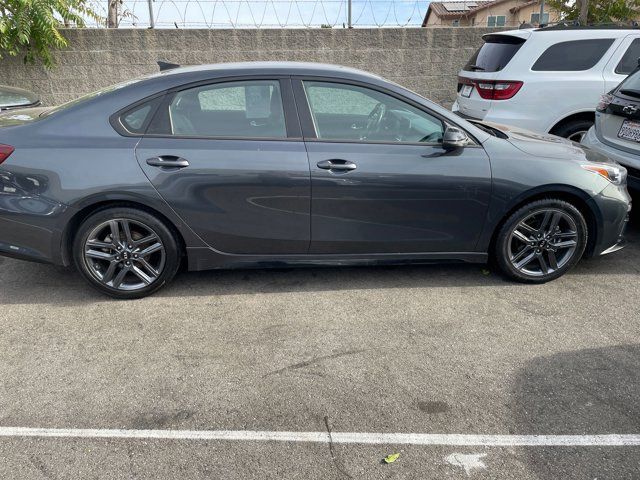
208,259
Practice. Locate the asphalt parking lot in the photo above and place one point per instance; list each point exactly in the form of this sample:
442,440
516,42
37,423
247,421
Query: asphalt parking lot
446,349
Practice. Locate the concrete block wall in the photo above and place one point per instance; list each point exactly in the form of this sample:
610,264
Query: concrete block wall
425,60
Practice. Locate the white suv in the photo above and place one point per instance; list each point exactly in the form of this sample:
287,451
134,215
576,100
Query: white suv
546,79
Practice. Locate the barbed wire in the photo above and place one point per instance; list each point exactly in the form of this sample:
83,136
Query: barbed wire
266,13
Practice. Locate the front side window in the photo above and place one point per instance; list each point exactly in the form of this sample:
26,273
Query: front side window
629,60
249,109
573,56
351,112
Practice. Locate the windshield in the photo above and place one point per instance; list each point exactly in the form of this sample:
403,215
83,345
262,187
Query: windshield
16,97
495,54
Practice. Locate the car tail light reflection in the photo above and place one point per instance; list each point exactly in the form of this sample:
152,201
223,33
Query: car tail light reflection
5,151
493,89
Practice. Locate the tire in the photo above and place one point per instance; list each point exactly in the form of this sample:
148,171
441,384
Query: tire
138,264
574,128
530,234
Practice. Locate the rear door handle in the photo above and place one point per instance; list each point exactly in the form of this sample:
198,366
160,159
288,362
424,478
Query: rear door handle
337,165
168,161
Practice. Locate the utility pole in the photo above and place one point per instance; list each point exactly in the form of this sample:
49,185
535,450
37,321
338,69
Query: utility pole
349,25
152,21
541,18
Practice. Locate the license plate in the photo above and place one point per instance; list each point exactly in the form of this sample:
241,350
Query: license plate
466,90
630,130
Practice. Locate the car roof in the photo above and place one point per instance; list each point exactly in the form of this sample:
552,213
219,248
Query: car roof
274,68
553,33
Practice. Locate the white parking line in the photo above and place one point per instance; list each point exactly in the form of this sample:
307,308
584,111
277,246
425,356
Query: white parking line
612,440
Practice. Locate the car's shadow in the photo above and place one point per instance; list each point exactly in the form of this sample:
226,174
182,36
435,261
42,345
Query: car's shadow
584,392
23,282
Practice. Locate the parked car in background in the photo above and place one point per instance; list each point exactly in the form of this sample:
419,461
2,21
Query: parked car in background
270,164
12,97
546,79
616,132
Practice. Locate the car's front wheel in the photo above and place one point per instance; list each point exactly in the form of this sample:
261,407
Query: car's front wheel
125,252
541,241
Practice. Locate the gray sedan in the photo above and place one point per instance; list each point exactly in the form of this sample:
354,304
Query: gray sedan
270,164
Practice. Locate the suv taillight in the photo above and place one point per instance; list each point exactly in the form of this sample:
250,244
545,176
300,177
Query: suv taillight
5,151
605,101
497,90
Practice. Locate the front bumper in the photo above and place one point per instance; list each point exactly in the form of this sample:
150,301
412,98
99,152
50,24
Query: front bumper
614,206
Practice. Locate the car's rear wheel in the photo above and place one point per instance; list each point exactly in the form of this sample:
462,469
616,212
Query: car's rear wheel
541,241
125,252
574,130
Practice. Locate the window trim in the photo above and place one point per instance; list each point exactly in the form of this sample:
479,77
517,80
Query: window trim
292,123
308,127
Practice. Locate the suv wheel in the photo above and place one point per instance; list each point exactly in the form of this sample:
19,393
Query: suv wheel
574,130
541,241
126,253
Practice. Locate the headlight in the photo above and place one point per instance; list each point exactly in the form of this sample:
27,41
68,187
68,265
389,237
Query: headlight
616,174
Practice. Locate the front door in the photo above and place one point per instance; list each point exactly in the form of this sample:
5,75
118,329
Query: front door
381,181
222,155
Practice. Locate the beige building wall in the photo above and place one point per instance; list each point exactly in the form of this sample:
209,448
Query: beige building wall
481,18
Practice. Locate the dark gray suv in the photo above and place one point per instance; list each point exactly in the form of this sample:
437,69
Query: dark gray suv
267,164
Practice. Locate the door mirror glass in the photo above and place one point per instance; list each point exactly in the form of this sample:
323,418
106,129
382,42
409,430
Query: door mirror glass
454,138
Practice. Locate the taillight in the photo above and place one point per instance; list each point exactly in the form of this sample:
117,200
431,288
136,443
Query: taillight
605,101
5,151
497,90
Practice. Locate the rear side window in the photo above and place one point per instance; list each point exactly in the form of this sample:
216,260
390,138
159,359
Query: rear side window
137,119
629,60
573,56
251,109
495,54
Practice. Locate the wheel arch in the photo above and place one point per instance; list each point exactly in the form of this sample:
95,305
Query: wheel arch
589,115
88,209
578,198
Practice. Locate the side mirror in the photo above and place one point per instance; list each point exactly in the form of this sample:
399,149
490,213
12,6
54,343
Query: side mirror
454,138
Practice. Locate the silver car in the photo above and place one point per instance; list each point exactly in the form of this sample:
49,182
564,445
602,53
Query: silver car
12,97
616,132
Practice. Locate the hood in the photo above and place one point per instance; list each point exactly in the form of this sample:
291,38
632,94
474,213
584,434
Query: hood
549,146
21,116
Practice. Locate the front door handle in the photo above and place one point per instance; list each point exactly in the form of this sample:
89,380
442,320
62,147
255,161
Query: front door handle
168,161
337,165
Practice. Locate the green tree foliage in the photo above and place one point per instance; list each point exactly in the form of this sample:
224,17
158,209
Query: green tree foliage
31,27
600,11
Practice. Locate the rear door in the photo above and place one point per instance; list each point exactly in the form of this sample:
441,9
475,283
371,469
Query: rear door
229,158
381,181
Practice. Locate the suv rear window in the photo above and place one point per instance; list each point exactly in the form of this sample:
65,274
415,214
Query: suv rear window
495,54
573,56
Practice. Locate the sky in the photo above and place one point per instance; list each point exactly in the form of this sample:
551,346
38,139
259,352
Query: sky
271,13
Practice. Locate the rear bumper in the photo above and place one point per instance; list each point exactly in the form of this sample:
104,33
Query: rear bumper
629,161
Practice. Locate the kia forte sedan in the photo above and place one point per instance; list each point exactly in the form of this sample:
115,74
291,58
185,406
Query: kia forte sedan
271,164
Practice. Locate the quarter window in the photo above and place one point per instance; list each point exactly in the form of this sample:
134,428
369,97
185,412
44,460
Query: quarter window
350,112
573,56
137,119
629,60
250,109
